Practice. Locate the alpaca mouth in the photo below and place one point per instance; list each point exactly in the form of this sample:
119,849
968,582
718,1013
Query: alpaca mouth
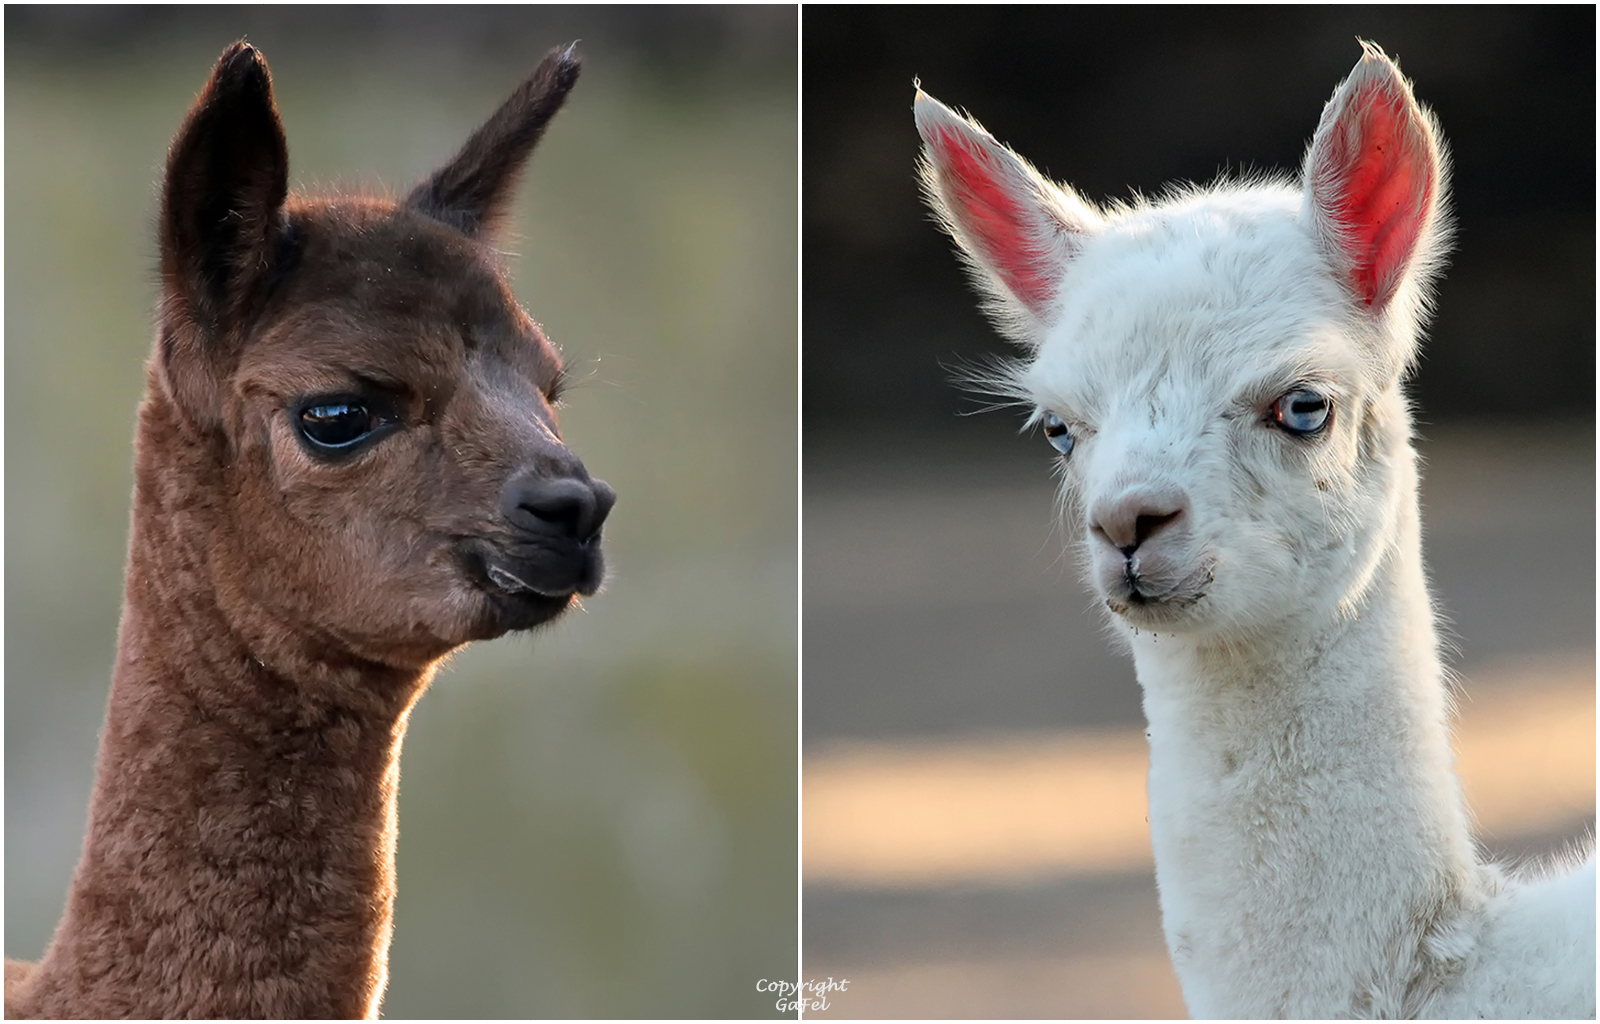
511,584
521,593
1139,592
544,574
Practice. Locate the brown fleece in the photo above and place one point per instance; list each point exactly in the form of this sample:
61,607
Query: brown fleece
287,600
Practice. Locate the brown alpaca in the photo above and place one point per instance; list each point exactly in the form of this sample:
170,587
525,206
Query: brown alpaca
346,466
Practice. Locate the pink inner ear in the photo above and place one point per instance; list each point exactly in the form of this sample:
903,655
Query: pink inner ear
995,223
1384,191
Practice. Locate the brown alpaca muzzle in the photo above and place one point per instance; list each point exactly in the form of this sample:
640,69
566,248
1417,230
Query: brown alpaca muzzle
550,550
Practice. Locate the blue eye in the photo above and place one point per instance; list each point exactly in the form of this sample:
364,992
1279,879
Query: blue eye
1302,412
1056,432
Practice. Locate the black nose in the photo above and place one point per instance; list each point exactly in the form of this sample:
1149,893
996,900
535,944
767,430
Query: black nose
566,506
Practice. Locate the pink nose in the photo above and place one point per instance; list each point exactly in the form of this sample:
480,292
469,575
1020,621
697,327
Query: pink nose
1133,517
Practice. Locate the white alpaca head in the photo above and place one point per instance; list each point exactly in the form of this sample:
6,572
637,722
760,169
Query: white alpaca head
1221,369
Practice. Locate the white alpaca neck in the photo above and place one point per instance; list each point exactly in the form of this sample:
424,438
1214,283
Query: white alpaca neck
1311,846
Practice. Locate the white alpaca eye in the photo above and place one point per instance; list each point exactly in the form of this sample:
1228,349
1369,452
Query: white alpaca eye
1056,432
1302,412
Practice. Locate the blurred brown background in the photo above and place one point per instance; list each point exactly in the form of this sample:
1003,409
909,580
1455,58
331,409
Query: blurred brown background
975,842
595,820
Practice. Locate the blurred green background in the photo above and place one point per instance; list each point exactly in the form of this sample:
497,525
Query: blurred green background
599,819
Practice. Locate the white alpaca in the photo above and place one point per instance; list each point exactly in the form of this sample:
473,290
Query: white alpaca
1221,371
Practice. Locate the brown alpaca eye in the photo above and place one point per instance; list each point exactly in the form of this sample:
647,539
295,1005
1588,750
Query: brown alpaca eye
336,424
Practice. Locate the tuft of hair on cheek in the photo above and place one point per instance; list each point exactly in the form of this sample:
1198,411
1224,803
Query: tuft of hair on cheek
1070,500
559,382
1075,552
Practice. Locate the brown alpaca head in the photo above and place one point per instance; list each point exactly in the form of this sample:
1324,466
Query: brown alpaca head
350,418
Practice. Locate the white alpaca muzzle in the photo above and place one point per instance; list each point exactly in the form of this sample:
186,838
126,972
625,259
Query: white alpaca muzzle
1143,557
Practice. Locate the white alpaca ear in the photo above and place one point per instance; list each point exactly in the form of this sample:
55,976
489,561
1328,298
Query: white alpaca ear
1374,184
1018,231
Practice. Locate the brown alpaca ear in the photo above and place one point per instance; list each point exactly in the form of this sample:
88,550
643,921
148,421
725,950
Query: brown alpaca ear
221,223
227,178
472,190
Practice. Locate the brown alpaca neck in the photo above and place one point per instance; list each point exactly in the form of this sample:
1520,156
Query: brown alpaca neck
240,853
